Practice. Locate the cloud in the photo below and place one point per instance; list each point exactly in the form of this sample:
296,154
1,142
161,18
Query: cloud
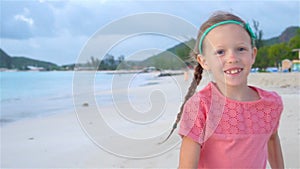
42,29
23,18
26,19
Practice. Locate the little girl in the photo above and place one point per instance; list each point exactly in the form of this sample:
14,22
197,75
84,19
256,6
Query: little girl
228,124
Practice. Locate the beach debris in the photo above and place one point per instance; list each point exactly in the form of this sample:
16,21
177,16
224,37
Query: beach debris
285,86
85,104
162,74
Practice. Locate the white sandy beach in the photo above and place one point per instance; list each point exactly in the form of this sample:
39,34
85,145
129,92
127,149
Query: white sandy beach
60,141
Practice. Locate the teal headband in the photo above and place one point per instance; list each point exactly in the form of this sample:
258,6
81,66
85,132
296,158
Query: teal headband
246,26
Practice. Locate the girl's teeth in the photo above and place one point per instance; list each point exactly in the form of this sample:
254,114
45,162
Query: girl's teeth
233,71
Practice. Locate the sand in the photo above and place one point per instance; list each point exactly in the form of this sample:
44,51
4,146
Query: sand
70,140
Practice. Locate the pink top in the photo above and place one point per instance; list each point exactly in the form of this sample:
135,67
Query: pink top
233,134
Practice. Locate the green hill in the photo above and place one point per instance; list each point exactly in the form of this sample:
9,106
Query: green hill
285,36
23,63
5,60
172,58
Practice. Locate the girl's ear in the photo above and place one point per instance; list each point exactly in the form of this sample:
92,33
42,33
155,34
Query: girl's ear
202,61
254,53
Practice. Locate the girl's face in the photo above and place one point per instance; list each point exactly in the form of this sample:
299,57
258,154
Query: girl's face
228,54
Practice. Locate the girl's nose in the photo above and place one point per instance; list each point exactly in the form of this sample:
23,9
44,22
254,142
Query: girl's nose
232,57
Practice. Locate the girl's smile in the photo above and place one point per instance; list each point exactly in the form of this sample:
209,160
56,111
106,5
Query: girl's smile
233,71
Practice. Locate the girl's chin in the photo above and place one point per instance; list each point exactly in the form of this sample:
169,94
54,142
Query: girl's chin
233,82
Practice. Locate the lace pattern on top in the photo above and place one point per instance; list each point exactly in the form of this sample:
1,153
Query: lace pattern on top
209,112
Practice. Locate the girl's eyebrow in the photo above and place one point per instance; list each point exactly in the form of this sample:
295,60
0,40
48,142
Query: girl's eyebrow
244,44
222,45
218,46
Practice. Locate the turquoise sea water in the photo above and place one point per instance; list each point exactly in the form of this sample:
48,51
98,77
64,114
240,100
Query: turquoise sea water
34,94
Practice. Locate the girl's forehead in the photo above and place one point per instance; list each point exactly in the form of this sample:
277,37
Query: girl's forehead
228,28
225,33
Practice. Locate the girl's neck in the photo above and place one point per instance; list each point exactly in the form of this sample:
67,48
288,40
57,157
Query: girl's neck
239,93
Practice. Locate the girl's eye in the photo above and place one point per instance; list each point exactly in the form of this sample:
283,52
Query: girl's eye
241,49
220,52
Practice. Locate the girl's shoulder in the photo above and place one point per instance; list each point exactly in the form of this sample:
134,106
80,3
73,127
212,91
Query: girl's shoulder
267,95
203,93
201,97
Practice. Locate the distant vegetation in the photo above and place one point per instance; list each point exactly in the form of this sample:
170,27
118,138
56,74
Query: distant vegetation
108,63
23,63
173,58
271,52
277,49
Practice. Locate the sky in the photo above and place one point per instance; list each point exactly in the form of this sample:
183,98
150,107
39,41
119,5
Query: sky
59,31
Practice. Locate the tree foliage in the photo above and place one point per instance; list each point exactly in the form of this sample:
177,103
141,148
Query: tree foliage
294,43
268,56
108,63
259,34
